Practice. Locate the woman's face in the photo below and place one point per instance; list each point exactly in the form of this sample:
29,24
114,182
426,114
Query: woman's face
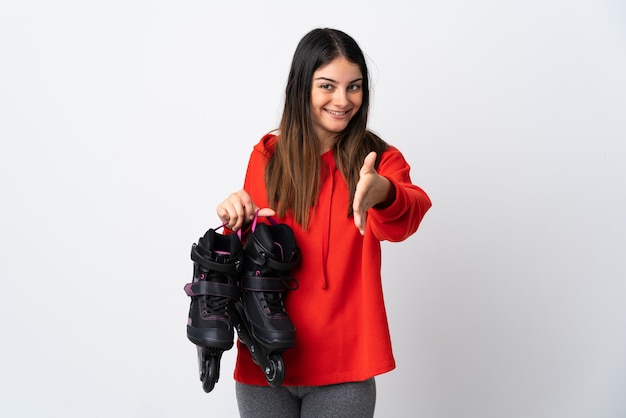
336,96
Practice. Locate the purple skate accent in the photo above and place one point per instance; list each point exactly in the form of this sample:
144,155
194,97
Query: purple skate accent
280,247
203,288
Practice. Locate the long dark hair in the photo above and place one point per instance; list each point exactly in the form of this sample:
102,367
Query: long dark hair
293,171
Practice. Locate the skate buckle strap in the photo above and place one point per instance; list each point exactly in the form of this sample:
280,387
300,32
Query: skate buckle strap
262,258
263,284
203,288
212,265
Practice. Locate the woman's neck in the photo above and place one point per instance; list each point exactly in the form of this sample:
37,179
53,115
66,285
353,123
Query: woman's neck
327,144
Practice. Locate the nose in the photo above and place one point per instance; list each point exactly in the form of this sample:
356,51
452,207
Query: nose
340,98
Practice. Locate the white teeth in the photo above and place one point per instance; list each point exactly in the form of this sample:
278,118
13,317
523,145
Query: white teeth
332,112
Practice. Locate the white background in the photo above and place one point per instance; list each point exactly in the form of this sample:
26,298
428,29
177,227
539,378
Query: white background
124,123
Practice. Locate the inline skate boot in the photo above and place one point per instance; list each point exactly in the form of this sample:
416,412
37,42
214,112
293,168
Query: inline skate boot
260,317
217,263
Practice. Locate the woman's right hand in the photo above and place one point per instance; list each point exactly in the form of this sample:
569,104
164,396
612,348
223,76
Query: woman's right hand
238,209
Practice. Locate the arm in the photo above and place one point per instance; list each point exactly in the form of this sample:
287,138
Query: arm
386,198
371,190
238,209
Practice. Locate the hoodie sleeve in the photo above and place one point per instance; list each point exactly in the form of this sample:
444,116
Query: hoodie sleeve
400,219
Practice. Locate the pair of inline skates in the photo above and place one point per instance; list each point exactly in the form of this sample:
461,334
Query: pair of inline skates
242,286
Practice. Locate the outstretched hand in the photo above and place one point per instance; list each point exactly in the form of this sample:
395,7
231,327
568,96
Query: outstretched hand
371,189
238,209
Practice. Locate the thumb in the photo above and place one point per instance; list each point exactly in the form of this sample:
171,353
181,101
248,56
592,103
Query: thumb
368,163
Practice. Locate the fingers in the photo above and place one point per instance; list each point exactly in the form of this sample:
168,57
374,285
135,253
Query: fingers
362,193
239,209
360,206
359,220
231,211
265,212
236,210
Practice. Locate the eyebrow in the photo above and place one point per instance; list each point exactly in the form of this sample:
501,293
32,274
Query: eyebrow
334,81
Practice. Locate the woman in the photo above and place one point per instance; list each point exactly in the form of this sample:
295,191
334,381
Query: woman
342,190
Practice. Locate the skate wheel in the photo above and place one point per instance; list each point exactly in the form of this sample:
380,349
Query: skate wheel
275,373
210,373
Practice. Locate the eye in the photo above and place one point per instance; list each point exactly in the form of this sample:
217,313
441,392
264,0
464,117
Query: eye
354,87
326,86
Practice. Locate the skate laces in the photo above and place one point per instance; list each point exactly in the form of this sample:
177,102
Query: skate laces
272,302
212,306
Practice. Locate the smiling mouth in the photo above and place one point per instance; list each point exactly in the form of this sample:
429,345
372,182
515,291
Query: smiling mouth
336,113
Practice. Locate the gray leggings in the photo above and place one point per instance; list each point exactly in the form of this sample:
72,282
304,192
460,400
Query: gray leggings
343,400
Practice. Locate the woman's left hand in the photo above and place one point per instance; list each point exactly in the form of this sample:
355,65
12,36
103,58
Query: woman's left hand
371,189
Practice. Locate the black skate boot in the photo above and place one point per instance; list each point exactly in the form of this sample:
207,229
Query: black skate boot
264,326
217,263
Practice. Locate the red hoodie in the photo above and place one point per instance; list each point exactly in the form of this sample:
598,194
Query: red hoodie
338,310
